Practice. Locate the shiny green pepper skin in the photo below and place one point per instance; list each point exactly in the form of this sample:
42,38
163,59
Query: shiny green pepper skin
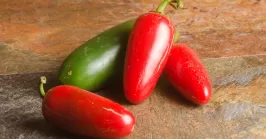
91,65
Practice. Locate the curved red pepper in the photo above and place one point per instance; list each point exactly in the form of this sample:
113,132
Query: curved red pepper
148,49
84,113
187,74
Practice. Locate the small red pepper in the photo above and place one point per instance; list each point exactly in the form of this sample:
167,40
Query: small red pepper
187,74
148,48
84,113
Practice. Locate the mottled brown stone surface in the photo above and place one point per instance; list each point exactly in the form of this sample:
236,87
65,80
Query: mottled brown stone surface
46,29
229,36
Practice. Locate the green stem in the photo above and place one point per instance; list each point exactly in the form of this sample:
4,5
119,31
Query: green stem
176,38
180,4
162,6
43,81
164,3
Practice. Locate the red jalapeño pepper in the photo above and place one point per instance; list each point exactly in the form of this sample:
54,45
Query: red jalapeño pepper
84,113
148,48
187,74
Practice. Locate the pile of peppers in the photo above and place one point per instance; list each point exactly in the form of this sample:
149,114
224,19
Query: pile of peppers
140,50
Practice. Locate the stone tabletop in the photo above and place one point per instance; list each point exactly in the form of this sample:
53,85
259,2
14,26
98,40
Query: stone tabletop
228,36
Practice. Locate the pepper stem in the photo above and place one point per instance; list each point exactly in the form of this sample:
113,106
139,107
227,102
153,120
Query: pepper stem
43,81
176,38
164,3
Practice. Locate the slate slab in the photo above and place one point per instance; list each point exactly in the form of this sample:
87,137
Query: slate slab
237,108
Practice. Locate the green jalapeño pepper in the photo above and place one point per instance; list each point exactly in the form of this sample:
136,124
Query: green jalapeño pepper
91,65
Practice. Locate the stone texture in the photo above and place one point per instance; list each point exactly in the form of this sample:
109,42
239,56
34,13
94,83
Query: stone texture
229,37
237,108
50,30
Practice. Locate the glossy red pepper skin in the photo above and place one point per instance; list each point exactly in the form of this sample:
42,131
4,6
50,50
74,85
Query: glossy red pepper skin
86,114
187,74
148,49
